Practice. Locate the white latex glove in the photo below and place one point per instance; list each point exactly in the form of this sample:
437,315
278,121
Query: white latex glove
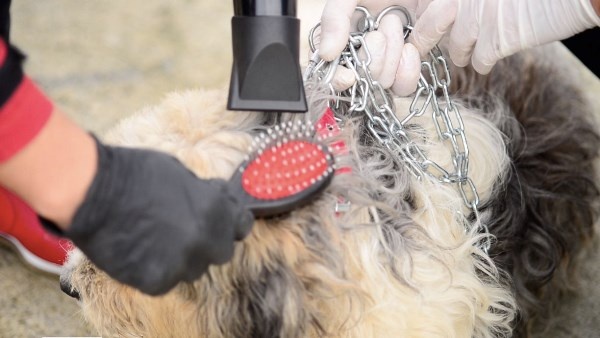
394,64
485,31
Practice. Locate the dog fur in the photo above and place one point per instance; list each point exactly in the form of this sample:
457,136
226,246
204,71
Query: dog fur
401,262
544,214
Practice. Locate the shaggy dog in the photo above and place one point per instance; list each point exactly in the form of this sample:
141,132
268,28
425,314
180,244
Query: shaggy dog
403,260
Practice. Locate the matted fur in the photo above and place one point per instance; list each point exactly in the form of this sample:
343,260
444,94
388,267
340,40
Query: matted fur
400,263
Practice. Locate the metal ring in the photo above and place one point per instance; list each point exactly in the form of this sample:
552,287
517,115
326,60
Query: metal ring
396,8
311,37
368,20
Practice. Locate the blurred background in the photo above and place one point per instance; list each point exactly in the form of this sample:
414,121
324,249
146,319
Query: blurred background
103,60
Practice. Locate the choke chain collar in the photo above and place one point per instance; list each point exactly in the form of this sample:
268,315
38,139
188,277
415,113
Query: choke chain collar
369,98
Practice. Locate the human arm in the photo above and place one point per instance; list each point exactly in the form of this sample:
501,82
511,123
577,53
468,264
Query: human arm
139,215
54,170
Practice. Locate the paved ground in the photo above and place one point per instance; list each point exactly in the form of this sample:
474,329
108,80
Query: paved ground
101,62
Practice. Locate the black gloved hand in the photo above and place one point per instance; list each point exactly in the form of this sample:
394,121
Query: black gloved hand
150,223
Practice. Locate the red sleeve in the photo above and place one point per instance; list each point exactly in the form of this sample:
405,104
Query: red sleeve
22,116
3,52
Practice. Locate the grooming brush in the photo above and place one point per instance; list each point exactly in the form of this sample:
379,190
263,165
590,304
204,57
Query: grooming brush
287,169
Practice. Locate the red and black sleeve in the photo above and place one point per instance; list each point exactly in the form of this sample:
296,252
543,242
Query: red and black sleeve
24,109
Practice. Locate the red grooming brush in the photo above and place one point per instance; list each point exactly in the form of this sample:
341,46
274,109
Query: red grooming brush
287,169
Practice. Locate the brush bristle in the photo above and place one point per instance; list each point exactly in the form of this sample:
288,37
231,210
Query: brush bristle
287,161
283,171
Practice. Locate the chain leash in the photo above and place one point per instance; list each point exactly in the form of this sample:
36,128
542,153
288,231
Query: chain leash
369,98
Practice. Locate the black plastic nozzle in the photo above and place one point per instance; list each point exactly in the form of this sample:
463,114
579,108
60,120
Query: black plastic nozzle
264,7
266,72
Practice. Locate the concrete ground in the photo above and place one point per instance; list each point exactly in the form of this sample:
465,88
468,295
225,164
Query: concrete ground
102,60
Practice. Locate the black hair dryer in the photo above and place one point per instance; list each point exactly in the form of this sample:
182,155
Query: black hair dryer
266,72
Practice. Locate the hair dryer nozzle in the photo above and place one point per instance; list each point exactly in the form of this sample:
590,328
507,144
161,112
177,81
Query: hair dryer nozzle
266,72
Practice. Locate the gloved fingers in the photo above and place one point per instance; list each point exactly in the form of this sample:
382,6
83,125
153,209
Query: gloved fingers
343,79
422,5
435,21
464,34
376,6
335,27
159,285
375,43
154,274
196,270
227,210
494,43
152,284
408,72
485,55
219,253
392,28
243,224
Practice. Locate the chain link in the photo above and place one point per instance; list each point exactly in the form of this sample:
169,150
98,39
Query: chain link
369,98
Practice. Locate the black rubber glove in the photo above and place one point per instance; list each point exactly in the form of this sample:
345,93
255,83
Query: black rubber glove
150,223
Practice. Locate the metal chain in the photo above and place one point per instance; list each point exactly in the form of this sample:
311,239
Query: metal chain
369,98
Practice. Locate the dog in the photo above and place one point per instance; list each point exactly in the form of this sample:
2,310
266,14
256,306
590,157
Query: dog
400,261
